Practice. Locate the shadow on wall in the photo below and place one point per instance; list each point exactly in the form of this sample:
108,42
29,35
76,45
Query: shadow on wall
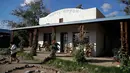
4,41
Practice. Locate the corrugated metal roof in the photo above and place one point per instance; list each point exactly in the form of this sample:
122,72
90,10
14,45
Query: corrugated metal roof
78,22
5,31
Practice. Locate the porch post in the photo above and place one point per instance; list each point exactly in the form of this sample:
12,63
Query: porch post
34,42
30,37
121,31
124,36
12,36
53,33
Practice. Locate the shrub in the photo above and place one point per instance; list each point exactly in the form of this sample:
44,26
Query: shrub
79,54
26,56
4,51
67,66
125,61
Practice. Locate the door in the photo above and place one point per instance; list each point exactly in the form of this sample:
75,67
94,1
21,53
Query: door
47,38
64,41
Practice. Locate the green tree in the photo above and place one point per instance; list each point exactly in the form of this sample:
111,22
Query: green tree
29,16
127,6
79,6
123,54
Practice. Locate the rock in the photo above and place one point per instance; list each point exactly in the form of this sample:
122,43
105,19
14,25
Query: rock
6,72
42,72
16,68
26,66
27,71
2,59
4,62
37,71
32,66
10,70
58,72
21,67
41,66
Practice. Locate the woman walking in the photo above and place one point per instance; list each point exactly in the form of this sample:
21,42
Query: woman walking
13,53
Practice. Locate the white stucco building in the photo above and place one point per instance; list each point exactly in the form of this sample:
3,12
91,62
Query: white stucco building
65,34
103,32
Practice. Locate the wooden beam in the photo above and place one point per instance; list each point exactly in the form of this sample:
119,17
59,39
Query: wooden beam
126,37
121,30
30,37
53,33
12,36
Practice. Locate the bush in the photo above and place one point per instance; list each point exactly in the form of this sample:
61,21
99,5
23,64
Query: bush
26,56
68,66
125,61
79,54
122,56
64,64
4,51
125,68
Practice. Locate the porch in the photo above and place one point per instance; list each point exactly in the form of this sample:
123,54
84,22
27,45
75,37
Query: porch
103,32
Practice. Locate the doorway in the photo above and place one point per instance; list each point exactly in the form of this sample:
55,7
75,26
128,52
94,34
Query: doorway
47,38
111,38
64,40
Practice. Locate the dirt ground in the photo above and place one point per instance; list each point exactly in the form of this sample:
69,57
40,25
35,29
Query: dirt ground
44,69
102,61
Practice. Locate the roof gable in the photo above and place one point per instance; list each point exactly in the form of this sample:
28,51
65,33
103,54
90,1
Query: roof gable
70,14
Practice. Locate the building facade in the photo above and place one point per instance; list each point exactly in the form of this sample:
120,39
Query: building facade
65,34
104,33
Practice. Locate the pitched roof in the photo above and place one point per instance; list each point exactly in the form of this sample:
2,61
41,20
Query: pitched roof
118,18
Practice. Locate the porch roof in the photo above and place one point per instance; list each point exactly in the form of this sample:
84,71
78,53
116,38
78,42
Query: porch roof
118,18
4,31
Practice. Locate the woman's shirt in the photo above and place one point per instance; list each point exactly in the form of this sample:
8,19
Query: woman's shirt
13,48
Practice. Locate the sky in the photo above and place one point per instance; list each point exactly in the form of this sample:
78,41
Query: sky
107,7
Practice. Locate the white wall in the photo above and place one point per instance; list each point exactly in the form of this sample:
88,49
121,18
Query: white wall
75,14
69,14
91,28
95,35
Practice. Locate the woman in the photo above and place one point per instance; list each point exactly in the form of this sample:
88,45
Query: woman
13,52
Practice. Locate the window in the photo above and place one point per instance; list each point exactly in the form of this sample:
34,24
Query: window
60,20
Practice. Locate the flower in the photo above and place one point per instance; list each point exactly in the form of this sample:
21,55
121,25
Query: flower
96,69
